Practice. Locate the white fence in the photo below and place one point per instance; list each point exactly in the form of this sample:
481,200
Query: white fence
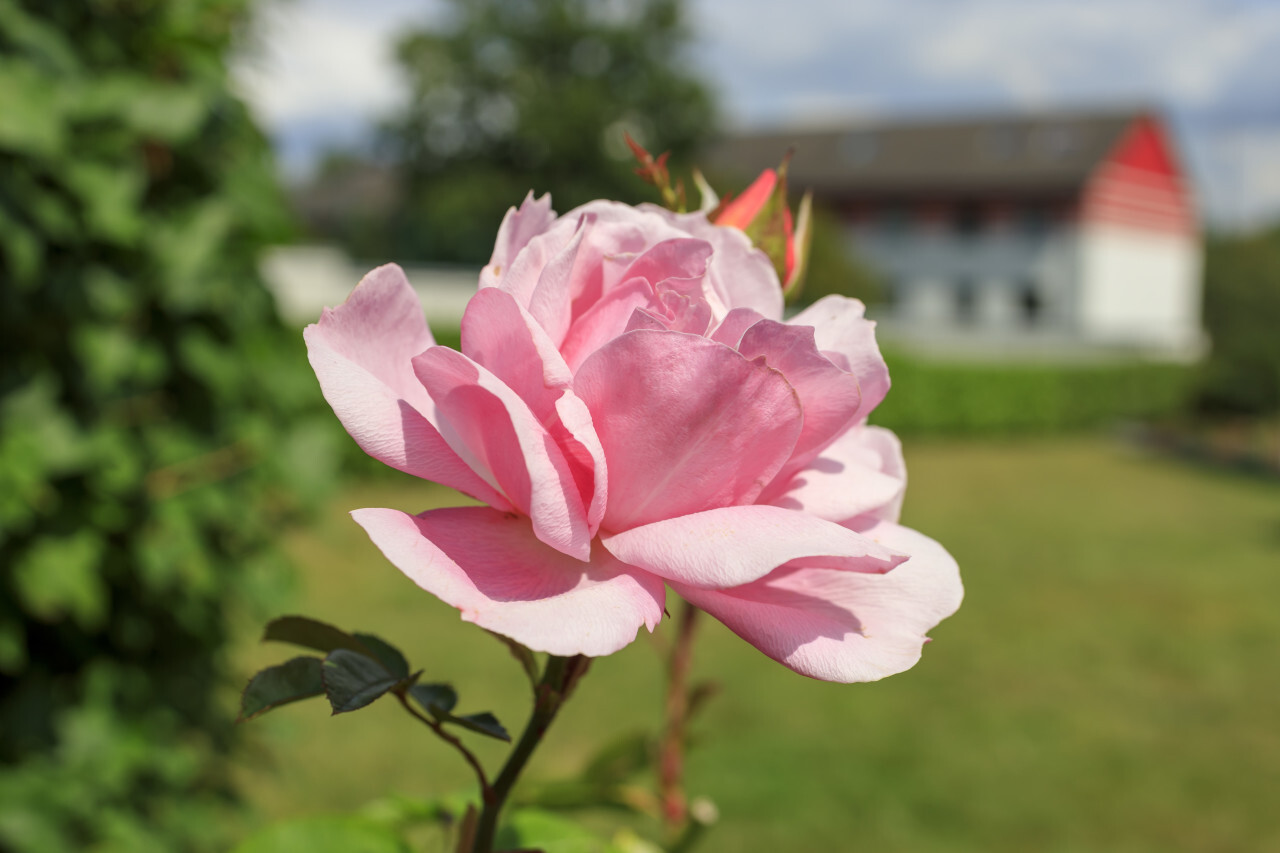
306,279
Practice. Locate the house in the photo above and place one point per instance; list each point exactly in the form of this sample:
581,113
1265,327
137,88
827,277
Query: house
1066,234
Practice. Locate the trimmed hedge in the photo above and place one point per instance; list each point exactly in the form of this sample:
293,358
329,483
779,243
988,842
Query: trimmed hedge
976,398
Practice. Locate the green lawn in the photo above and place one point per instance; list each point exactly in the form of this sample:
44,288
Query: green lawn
1112,682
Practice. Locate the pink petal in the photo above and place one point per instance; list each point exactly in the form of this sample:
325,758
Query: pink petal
843,626
830,396
361,352
561,279
489,426
490,566
504,339
580,259
606,320
687,424
665,281
741,276
887,452
840,328
862,472
518,227
735,323
736,545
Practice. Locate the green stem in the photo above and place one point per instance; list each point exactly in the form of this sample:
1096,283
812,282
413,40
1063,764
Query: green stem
671,754
557,680
451,740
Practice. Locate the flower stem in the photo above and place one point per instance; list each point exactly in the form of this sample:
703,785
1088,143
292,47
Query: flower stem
671,756
467,754
558,680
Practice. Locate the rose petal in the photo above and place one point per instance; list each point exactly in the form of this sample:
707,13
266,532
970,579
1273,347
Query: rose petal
687,424
741,276
736,545
840,327
829,395
735,323
665,281
361,353
518,227
843,626
488,425
862,472
504,339
490,566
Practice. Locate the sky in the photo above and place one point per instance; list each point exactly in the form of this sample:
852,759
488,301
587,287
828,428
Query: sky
321,73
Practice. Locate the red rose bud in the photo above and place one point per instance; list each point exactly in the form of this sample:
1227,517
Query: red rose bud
762,213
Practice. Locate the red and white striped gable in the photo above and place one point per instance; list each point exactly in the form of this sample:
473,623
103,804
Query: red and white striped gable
1139,185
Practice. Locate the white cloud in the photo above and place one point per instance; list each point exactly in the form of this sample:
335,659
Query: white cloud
324,60
327,73
1242,170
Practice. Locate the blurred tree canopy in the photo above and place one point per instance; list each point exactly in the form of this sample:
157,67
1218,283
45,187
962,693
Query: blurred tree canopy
1241,314
508,96
148,446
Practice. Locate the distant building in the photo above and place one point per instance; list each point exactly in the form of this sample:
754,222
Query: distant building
1067,234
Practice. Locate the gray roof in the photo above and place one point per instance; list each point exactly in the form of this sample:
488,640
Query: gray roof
1017,154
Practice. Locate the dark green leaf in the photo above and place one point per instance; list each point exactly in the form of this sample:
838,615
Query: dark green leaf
279,685
312,634
434,698
483,723
387,654
353,680
522,655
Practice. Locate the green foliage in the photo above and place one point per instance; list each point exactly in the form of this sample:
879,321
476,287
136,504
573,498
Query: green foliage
357,670
507,97
326,834
148,444
972,398
1241,312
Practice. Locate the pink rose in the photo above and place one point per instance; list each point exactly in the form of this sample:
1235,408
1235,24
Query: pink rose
635,414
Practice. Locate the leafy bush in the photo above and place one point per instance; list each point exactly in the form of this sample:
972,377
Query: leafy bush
148,449
958,398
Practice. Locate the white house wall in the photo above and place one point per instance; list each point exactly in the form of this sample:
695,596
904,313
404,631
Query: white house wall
1140,288
926,265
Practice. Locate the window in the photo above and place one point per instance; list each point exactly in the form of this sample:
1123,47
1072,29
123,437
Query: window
965,301
1030,303
893,220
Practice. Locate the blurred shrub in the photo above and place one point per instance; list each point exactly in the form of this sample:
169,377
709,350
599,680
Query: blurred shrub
1241,314
148,449
958,398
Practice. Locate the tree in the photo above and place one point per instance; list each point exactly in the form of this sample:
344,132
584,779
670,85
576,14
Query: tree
1241,307
508,96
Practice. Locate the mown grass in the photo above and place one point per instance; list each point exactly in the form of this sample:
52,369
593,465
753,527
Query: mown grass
1110,684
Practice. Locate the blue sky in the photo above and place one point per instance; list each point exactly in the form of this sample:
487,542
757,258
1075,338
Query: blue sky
322,73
